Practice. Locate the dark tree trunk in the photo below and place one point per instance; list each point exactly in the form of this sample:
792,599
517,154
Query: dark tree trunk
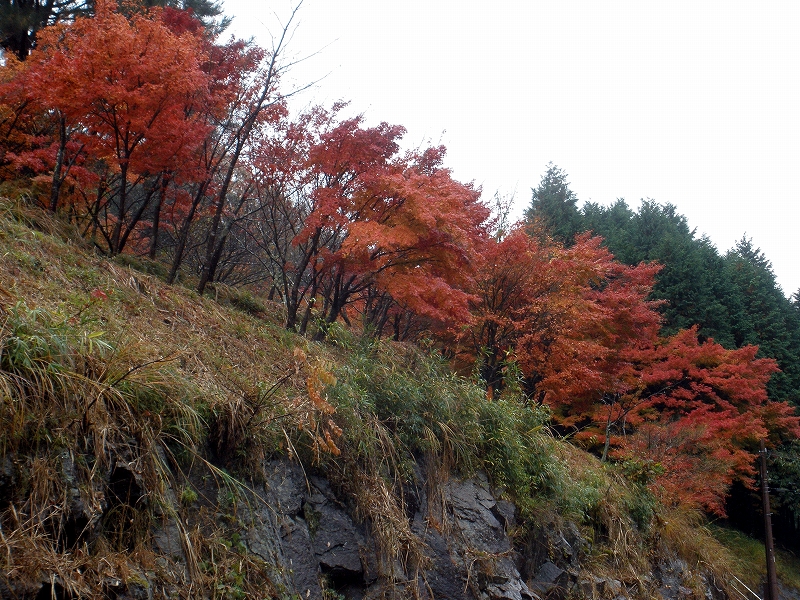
123,198
183,235
157,217
55,188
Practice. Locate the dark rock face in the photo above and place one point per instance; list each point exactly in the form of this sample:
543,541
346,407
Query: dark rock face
479,545
670,577
311,531
304,526
315,550
549,578
281,534
550,560
337,542
556,542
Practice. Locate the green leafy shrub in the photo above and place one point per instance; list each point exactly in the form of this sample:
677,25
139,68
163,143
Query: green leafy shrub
32,339
428,411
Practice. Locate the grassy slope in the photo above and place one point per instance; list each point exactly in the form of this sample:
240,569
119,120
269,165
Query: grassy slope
108,362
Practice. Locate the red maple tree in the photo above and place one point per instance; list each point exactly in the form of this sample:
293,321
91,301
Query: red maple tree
699,410
124,86
566,316
347,212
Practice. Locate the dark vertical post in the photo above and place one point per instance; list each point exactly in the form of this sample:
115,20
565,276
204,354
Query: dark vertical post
772,578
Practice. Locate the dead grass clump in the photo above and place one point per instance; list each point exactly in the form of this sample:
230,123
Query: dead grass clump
110,382
75,420
24,212
685,533
604,497
372,476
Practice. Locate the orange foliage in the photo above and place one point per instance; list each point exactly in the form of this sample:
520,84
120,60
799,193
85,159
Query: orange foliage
700,410
347,213
566,316
125,88
584,335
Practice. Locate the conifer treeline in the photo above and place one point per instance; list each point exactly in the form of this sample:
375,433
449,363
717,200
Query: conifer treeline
732,297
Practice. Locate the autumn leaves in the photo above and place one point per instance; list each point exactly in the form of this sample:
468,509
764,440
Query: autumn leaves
580,329
155,138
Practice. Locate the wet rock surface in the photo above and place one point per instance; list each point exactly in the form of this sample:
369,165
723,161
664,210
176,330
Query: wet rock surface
305,532
465,531
469,551
480,542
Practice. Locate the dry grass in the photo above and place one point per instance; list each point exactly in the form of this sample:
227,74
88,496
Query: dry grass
105,369
625,550
685,533
749,556
142,377
621,549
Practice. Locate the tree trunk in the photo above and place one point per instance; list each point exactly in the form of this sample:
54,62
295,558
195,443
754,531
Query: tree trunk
157,217
123,197
183,234
211,266
137,216
607,444
55,188
214,252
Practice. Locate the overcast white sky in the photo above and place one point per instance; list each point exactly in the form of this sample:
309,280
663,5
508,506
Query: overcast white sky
692,103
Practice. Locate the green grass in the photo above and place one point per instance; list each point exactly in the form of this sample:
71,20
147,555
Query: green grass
101,356
751,555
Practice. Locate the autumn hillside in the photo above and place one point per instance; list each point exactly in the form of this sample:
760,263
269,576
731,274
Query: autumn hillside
201,289
108,370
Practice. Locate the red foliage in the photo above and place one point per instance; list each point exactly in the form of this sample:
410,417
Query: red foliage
181,21
127,81
699,410
27,131
604,314
584,335
124,87
354,214
566,316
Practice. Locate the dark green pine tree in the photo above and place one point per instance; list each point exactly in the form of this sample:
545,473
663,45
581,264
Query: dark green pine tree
765,317
209,12
553,208
689,281
21,19
614,224
692,281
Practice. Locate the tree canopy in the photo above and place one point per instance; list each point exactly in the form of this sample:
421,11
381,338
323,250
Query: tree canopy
154,138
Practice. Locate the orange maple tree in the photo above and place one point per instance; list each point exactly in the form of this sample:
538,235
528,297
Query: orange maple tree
125,87
698,410
565,316
346,211
582,332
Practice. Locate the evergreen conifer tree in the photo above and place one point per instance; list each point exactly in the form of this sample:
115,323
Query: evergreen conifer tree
553,209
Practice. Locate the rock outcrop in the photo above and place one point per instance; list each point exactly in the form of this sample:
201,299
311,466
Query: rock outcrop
306,535
471,539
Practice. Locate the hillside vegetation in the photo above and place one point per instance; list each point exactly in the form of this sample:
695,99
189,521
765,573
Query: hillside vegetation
132,391
201,288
